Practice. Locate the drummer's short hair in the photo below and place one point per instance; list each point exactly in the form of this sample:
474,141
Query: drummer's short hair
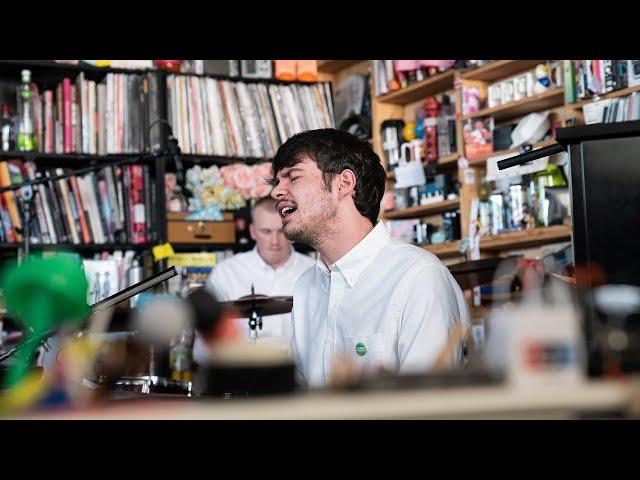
264,202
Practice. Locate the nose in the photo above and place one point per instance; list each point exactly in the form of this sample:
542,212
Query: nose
275,237
277,192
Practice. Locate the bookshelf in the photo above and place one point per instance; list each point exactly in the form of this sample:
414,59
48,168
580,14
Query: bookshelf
419,90
498,69
444,250
48,74
401,104
545,101
526,238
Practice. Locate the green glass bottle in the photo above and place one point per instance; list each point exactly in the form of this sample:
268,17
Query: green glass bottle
26,138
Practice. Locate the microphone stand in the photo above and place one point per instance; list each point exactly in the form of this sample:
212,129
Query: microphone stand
530,156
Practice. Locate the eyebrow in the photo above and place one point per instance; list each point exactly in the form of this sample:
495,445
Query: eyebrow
285,172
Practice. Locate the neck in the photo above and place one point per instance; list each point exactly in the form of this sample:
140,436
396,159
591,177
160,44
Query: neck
276,263
343,235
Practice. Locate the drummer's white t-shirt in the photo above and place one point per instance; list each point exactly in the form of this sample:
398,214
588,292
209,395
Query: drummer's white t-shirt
232,279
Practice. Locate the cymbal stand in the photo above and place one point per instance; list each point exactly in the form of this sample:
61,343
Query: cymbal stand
255,321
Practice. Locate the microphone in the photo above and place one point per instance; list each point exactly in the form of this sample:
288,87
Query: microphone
174,149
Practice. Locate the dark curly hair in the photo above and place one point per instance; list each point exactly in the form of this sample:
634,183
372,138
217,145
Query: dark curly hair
334,151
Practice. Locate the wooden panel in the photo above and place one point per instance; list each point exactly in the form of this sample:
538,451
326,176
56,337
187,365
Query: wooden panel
333,66
499,69
449,249
618,93
526,238
423,210
544,101
469,181
419,90
183,231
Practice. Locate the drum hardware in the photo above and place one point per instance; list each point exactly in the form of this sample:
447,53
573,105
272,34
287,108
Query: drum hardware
254,307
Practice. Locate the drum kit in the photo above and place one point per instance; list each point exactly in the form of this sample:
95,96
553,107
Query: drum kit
253,307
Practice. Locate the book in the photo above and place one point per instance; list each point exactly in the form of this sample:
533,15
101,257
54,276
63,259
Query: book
478,137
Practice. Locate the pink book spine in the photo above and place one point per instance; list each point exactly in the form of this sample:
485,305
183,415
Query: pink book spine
48,120
66,103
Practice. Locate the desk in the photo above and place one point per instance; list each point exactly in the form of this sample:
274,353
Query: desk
597,398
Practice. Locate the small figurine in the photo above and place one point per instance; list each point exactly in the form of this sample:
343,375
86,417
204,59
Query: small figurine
543,82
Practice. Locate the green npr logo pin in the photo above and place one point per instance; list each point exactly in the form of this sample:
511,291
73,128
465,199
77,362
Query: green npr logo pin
361,349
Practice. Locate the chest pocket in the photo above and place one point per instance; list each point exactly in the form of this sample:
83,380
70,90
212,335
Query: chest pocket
366,351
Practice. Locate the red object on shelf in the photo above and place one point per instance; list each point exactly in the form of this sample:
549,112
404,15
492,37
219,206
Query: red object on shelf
169,65
431,110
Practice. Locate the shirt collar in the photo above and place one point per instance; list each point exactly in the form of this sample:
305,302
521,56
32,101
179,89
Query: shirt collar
356,260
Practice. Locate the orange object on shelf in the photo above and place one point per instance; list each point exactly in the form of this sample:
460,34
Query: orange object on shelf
285,69
307,70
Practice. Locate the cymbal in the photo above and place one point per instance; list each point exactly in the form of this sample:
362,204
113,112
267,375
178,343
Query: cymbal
263,305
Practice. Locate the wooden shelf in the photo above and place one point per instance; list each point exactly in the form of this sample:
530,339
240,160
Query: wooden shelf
333,66
483,159
617,93
499,69
442,250
423,210
547,100
526,238
449,159
220,161
92,247
418,91
446,161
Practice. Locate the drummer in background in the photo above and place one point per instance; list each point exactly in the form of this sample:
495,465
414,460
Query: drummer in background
372,301
272,267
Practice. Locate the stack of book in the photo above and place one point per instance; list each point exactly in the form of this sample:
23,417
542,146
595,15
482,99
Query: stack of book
110,206
585,78
108,117
613,110
238,119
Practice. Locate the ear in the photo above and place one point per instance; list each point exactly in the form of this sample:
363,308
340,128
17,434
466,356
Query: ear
346,183
252,231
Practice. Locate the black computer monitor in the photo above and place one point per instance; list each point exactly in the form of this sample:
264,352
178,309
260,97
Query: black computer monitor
605,193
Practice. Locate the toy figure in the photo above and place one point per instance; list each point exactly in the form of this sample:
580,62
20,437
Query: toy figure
543,82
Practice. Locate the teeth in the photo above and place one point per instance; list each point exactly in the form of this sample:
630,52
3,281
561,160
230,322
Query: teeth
286,210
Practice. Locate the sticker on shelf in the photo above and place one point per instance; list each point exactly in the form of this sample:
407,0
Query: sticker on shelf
469,176
162,251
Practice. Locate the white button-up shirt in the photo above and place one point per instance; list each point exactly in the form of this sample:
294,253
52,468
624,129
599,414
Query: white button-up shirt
232,279
384,304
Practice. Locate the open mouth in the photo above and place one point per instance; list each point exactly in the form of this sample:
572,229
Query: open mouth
287,210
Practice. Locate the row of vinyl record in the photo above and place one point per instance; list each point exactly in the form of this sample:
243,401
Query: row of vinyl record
108,117
238,119
111,205
613,110
585,78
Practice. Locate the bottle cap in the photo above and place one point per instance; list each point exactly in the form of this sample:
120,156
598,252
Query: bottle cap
26,75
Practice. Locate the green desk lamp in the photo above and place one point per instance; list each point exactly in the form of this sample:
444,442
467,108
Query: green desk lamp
43,294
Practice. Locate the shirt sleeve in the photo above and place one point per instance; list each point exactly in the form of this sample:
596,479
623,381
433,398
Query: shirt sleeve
215,283
293,343
433,307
